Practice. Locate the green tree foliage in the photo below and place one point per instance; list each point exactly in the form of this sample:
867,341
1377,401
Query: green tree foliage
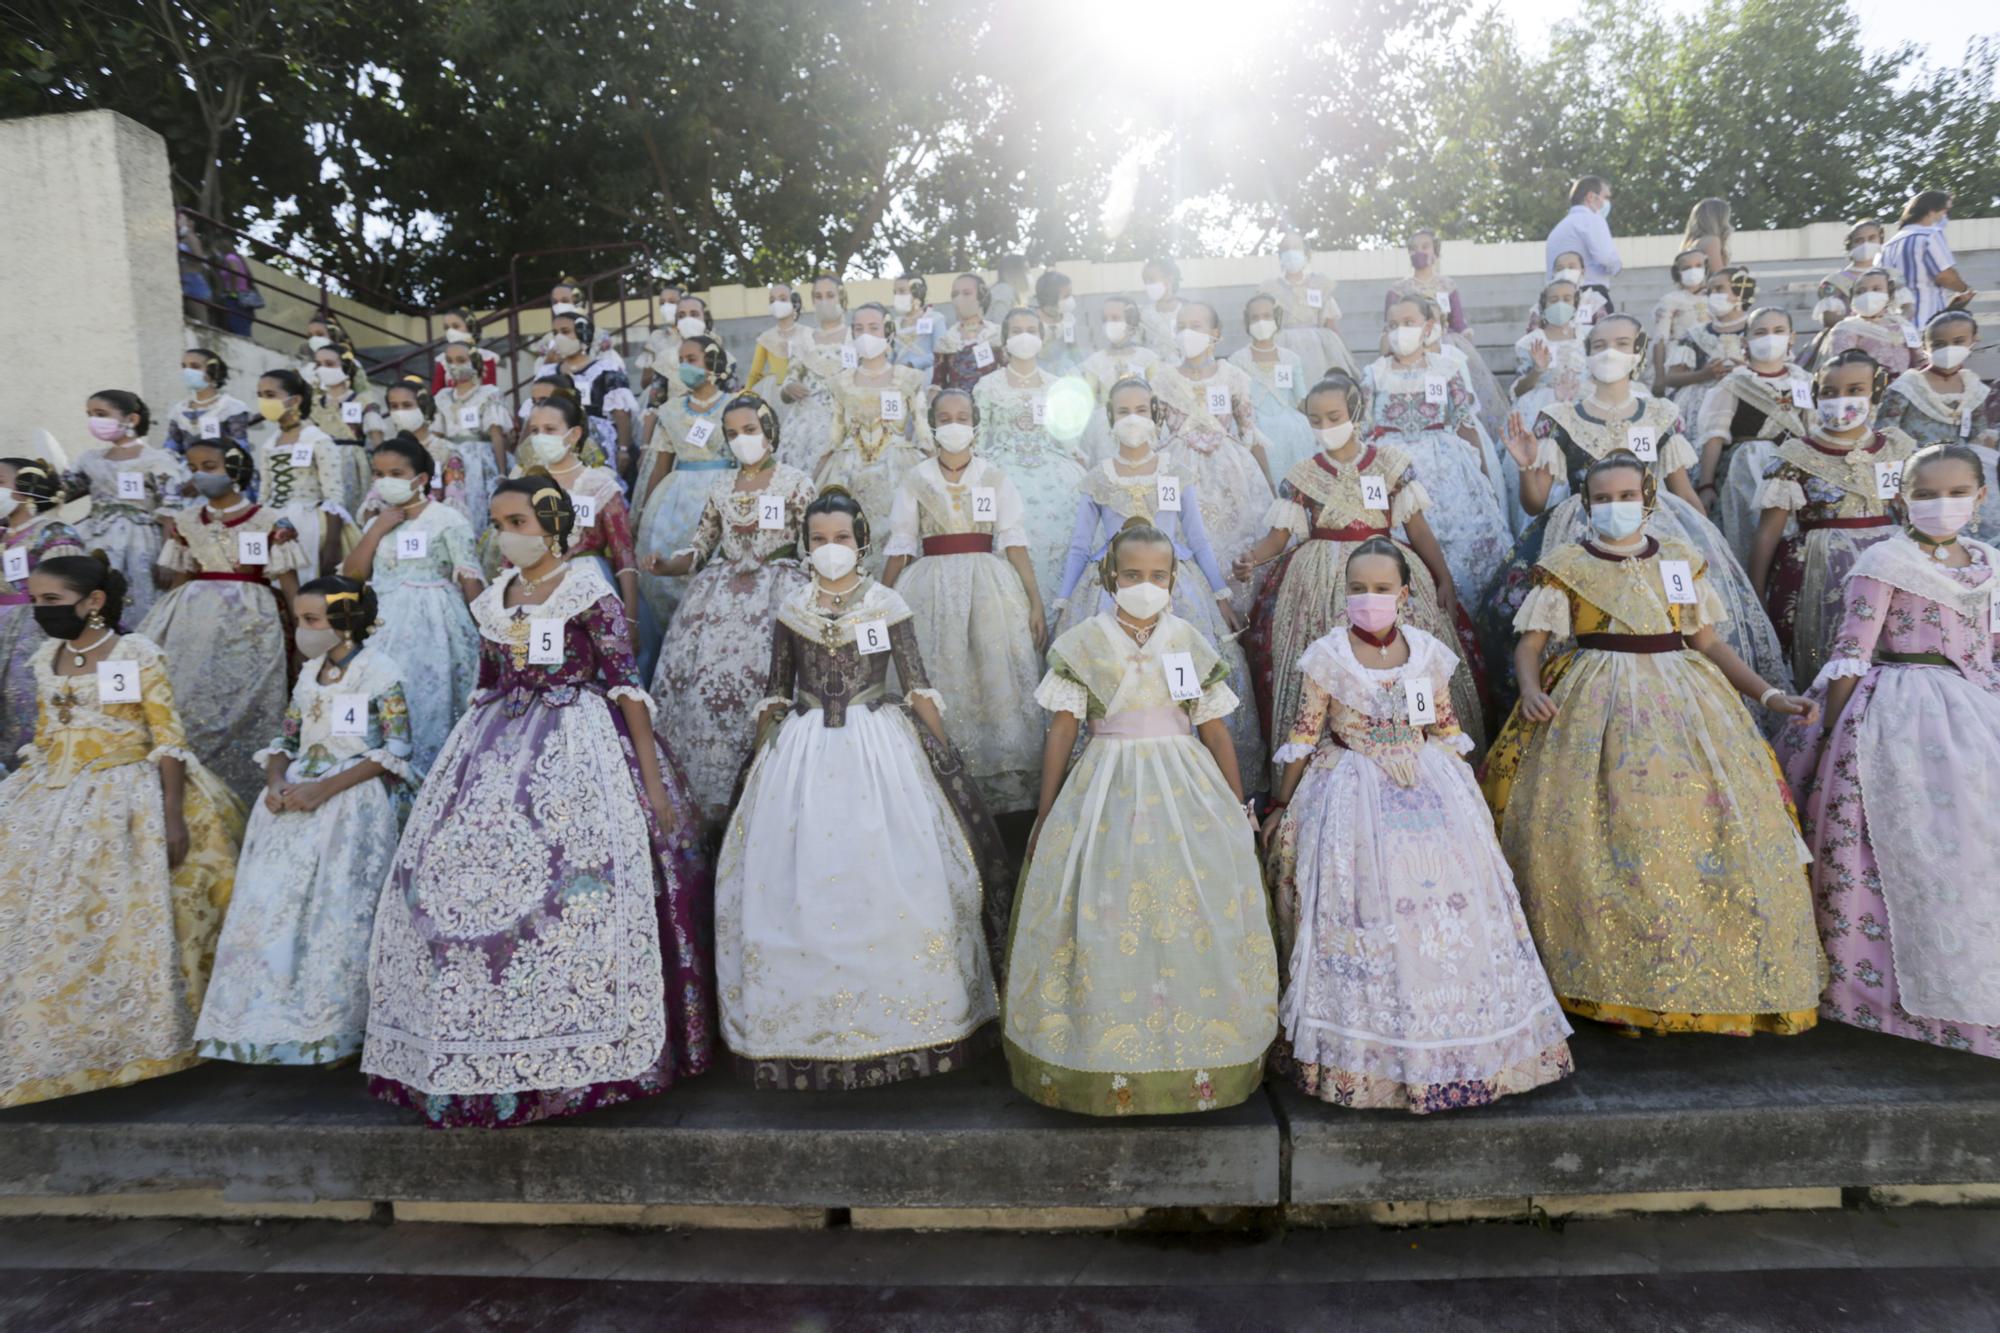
746,140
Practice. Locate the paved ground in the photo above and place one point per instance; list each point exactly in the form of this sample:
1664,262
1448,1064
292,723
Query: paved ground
1911,1270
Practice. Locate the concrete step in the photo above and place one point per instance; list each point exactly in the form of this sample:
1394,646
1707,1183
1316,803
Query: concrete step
1834,1108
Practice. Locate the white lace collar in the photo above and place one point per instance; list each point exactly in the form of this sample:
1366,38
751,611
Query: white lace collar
582,587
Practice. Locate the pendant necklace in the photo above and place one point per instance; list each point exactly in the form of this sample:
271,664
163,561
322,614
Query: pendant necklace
79,655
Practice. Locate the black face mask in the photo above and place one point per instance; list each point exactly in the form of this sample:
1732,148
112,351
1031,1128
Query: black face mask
60,622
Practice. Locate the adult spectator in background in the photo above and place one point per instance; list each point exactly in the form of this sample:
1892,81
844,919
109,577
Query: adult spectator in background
1920,257
1587,231
235,290
1011,286
1709,230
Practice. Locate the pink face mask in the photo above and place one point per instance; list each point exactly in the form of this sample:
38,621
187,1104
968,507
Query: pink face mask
106,429
1372,611
1942,517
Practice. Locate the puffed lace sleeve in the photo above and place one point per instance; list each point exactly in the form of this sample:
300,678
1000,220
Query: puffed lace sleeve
611,639
392,722
910,664
1853,651
1287,514
905,537
286,742
1708,608
1546,609
1217,701
1676,454
1716,419
460,553
1681,355
1306,727
1062,690
1407,498
1780,489
156,701
1548,454
174,556
288,555
1011,529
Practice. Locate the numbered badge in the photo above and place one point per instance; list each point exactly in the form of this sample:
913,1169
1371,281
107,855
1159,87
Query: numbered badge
350,412
1182,681
1281,375
1802,395
1911,337
985,504
15,565
982,355
872,636
848,359
1437,390
1421,702
468,418
926,326
412,545
1069,328
1888,480
131,485
1679,580
302,455
892,405
1039,410
118,682
1643,441
1374,491
586,510
1218,400
350,715
253,548
700,431
545,641
1315,298
770,513
1167,495
211,429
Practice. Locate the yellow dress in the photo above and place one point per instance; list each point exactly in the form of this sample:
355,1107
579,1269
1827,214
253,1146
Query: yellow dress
1648,827
104,951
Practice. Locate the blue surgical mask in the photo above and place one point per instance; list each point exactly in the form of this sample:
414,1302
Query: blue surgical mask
693,376
1292,261
194,377
1605,211
1617,520
1558,313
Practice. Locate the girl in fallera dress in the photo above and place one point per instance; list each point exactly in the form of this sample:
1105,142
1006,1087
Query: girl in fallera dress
419,555
1898,785
1018,435
1277,385
1211,433
1711,349
967,348
821,349
739,566
1679,312
1944,403
1055,305
1825,498
1141,976
771,357
958,555
1876,326
460,332
1142,484
30,493
1836,290
207,413
1549,360
879,428
1420,403
1643,815
298,469
861,884
602,390
685,461
915,325
1308,316
1347,493
290,985
413,412
540,942
472,420
1567,438
117,850
1122,357
1413,982
349,414
1449,329
1744,418
130,484
1159,317
228,572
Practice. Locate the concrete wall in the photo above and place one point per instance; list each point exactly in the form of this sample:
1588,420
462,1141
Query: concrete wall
88,269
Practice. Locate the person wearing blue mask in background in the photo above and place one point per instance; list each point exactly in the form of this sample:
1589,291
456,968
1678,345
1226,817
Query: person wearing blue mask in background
1586,230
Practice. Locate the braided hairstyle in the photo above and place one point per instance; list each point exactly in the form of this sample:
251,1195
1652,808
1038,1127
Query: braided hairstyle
1922,458
36,482
212,365
550,504
1277,311
86,574
418,387
1344,384
943,394
290,384
835,500
767,419
1384,547
236,461
715,359
350,605
1624,460
126,405
1139,529
1154,407
405,446
1853,356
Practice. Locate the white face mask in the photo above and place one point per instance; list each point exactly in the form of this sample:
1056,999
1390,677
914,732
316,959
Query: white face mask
523,549
1568,275
1866,252
1115,331
396,490
565,345
406,418
688,326
1405,339
868,346
749,447
1333,437
1134,433
1024,346
460,371
1692,278
1842,413
1156,291
954,436
317,643
1949,358
827,308
1263,330
1721,303
902,303
1193,343
1067,305
457,336
834,561
8,503
329,376
1611,365
1870,304
546,449
782,310
1769,347
1143,601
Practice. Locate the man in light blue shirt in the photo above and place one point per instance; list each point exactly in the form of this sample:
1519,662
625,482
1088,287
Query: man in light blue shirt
1921,258
1586,232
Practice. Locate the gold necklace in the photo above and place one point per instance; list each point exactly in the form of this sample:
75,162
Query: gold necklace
532,584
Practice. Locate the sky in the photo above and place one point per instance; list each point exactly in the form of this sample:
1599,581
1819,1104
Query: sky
1942,29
